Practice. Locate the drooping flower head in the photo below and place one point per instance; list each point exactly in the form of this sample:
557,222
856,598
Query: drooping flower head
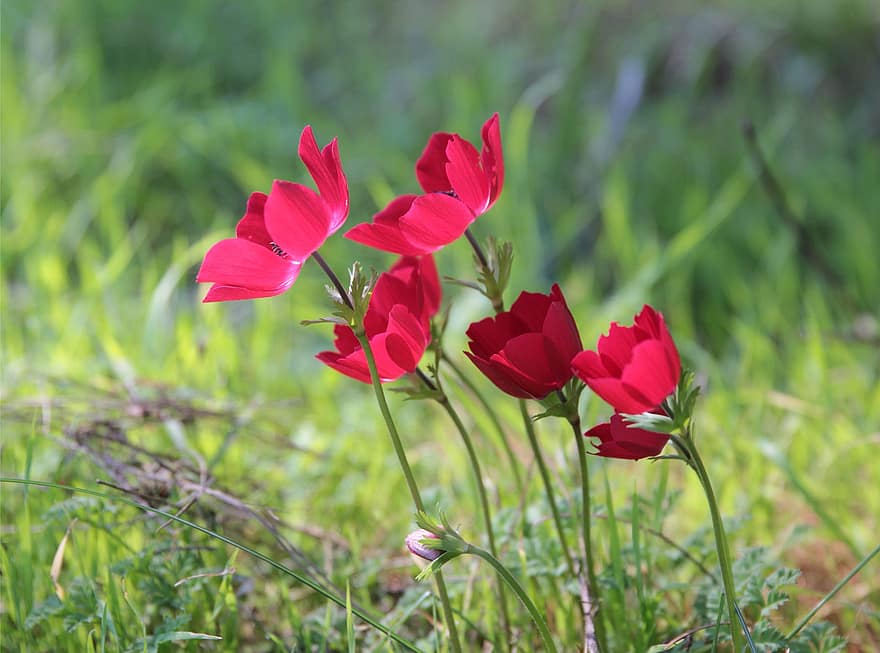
527,351
460,184
279,231
633,368
396,323
415,546
619,440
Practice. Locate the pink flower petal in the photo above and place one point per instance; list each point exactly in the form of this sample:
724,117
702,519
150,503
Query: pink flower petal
468,180
435,220
297,219
492,156
384,232
252,226
431,166
326,169
239,263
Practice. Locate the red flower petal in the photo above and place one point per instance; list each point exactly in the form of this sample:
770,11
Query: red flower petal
431,166
297,219
534,364
498,376
649,374
435,220
252,226
618,440
384,232
326,169
467,178
492,156
560,328
615,349
530,308
242,264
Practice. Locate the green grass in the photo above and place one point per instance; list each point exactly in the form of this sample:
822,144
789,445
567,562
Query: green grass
132,134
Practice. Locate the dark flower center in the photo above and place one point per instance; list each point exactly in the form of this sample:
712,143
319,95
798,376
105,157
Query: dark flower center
280,252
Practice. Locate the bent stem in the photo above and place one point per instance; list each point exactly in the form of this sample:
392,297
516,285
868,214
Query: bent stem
548,486
343,293
513,583
688,449
410,478
443,400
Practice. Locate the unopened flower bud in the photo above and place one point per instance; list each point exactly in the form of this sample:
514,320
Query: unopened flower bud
415,546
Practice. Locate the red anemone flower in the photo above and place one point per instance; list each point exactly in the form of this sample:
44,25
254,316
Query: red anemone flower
460,185
396,323
527,351
634,368
618,440
279,231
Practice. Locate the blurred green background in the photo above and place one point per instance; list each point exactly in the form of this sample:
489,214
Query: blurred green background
133,132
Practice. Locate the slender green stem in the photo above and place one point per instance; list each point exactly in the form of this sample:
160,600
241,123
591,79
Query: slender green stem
410,480
513,583
812,613
343,293
296,575
689,450
493,417
484,503
548,485
594,624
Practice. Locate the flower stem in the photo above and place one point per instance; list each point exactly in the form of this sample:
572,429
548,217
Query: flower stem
688,449
493,417
594,624
548,486
513,583
484,502
343,293
410,480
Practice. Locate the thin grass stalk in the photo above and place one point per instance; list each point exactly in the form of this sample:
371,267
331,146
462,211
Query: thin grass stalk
493,417
305,580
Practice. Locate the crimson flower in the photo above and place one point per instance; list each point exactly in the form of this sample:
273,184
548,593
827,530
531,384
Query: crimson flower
618,440
460,185
634,368
396,323
279,231
527,351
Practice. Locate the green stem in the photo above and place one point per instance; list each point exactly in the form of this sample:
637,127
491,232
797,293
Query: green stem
484,502
812,613
689,450
548,485
513,583
493,417
410,479
594,624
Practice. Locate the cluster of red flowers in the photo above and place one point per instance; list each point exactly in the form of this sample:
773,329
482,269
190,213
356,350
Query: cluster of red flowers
529,351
